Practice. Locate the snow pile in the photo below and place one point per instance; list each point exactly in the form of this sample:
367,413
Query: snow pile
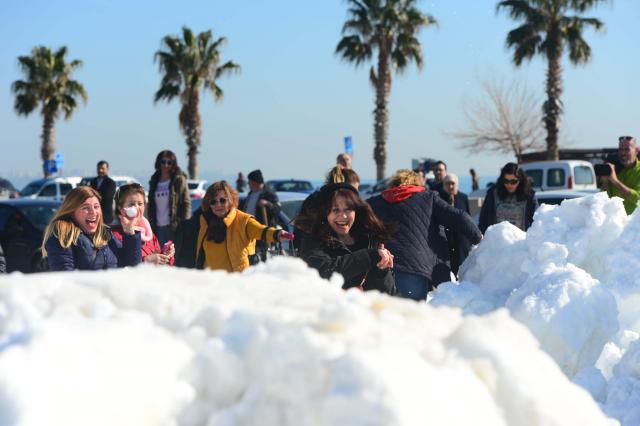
573,280
275,345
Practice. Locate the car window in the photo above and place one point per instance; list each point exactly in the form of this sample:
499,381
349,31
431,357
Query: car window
555,177
536,177
30,189
584,175
65,188
5,212
193,185
551,201
39,216
48,191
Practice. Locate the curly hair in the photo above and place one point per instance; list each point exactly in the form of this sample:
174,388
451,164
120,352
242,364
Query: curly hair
222,185
406,177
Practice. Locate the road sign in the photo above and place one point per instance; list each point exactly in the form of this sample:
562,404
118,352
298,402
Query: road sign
348,145
59,160
50,167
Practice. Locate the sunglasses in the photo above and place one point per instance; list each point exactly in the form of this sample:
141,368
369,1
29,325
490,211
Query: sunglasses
221,201
166,162
625,138
511,181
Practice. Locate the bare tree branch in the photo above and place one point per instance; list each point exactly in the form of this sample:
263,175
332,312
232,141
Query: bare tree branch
506,119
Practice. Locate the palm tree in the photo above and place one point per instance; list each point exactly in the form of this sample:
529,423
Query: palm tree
47,84
189,65
547,30
390,27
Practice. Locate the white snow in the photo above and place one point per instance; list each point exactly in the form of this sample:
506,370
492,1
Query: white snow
574,281
277,345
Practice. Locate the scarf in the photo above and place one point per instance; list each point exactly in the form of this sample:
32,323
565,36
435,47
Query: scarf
400,193
217,231
145,229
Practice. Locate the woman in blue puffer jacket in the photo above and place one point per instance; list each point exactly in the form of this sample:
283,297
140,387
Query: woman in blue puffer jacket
76,237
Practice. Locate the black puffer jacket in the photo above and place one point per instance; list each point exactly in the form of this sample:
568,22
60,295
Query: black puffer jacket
354,265
418,246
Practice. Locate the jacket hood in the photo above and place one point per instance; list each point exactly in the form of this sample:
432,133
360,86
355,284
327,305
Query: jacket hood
401,193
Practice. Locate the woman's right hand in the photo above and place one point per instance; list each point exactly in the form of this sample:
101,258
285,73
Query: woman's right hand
158,259
386,258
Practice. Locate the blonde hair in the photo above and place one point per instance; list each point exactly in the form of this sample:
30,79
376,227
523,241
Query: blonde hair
341,175
223,185
406,177
65,229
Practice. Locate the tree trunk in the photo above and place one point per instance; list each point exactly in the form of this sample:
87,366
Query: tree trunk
381,114
552,108
48,140
190,122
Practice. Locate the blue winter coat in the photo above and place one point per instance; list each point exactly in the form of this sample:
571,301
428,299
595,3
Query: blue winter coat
84,256
418,246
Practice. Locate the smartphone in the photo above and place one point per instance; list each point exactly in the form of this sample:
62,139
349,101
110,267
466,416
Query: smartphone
166,247
602,169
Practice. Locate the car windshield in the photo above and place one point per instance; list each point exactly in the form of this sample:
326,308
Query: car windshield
193,185
30,189
39,216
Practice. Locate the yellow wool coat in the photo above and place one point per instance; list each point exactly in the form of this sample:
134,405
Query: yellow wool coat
233,253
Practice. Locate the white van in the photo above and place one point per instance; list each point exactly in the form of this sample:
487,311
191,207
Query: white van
562,174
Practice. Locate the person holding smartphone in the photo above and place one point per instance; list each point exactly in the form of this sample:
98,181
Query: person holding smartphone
130,202
626,182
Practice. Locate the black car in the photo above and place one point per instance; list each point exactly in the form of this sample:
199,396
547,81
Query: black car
22,224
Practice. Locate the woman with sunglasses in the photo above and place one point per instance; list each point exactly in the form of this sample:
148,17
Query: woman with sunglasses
130,202
512,200
77,238
226,236
169,200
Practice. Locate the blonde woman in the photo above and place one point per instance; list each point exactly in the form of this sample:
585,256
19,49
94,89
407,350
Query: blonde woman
226,237
76,237
420,250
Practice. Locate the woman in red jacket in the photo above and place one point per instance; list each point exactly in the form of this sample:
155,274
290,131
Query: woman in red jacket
130,199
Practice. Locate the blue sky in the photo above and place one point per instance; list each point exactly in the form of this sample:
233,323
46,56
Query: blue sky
289,109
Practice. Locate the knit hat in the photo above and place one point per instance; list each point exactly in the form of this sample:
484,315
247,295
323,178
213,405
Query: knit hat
256,176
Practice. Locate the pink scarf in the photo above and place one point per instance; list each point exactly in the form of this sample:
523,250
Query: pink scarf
145,230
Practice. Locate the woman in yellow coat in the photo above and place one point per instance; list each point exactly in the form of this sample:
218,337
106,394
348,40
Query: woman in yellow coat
227,236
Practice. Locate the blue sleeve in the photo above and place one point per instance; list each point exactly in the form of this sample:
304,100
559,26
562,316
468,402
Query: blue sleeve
130,252
60,259
445,214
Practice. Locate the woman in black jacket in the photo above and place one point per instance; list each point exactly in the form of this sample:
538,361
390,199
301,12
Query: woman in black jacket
512,200
343,235
76,237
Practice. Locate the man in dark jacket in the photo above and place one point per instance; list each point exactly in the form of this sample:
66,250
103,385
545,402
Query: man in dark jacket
421,253
263,204
106,187
459,245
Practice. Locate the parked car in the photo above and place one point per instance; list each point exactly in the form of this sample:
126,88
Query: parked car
376,188
119,180
50,188
22,224
7,190
290,185
197,188
562,174
557,197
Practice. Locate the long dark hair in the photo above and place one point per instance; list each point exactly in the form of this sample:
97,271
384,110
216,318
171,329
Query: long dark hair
175,169
313,221
523,191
